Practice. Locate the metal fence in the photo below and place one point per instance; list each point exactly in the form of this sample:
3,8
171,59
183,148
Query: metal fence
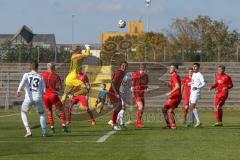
146,53
23,55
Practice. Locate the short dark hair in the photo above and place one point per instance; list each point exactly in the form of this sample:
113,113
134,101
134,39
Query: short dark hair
222,66
34,65
143,64
196,64
175,65
124,62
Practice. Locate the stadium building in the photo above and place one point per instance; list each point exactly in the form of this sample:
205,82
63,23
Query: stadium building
26,36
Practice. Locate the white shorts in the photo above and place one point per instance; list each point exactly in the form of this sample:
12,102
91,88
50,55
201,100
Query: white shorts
127,98
194,97
27,105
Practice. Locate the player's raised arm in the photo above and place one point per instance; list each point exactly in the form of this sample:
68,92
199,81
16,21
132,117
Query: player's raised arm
22,82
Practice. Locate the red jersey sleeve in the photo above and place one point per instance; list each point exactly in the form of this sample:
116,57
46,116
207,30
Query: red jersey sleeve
230,84
59,81
174,80
183,82
116,76
214,85
134,78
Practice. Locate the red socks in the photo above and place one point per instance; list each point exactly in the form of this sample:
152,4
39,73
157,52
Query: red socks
185,112
139,116
114,115
50,117
90,113
172,118
219,115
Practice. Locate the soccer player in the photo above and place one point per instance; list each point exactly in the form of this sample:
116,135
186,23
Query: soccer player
71,80
140,85
197,84
114,94
53,83
82,99
34,90
186,88
126,98
175,97
102,97
223,83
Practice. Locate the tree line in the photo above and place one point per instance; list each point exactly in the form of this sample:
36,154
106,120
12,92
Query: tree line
200,39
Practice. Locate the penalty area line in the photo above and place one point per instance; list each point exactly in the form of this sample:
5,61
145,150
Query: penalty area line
107,135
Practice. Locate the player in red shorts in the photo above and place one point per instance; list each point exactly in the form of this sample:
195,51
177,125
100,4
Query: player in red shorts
223,83
114,94
82,99
140,85
174,95
53,83
186,88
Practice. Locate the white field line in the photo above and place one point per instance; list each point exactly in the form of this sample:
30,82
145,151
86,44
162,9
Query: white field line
107,135
25,141
9,115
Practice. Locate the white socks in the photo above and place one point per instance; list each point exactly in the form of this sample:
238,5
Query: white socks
121,116
43,123
195,112
25,121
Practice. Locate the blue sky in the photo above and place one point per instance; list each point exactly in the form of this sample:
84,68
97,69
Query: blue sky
95,16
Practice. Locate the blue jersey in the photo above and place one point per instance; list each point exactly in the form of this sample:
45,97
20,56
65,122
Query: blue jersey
102,94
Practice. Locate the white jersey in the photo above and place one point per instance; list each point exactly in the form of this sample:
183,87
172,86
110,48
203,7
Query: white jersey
198,82
34,86
125,90
126,84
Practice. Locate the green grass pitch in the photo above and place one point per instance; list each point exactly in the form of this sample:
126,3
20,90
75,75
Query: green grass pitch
150,143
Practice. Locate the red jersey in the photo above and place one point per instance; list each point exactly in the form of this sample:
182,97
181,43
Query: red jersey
222,81
140,81
117,78
52,81
185,83
83,77
175,79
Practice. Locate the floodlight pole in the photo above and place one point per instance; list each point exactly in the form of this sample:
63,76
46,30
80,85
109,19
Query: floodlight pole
148,3
73,30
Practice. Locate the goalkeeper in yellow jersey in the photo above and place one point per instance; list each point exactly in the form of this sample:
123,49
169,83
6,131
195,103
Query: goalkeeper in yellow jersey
72,82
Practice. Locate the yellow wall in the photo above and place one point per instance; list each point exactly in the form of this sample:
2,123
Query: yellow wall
106,35
134,28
